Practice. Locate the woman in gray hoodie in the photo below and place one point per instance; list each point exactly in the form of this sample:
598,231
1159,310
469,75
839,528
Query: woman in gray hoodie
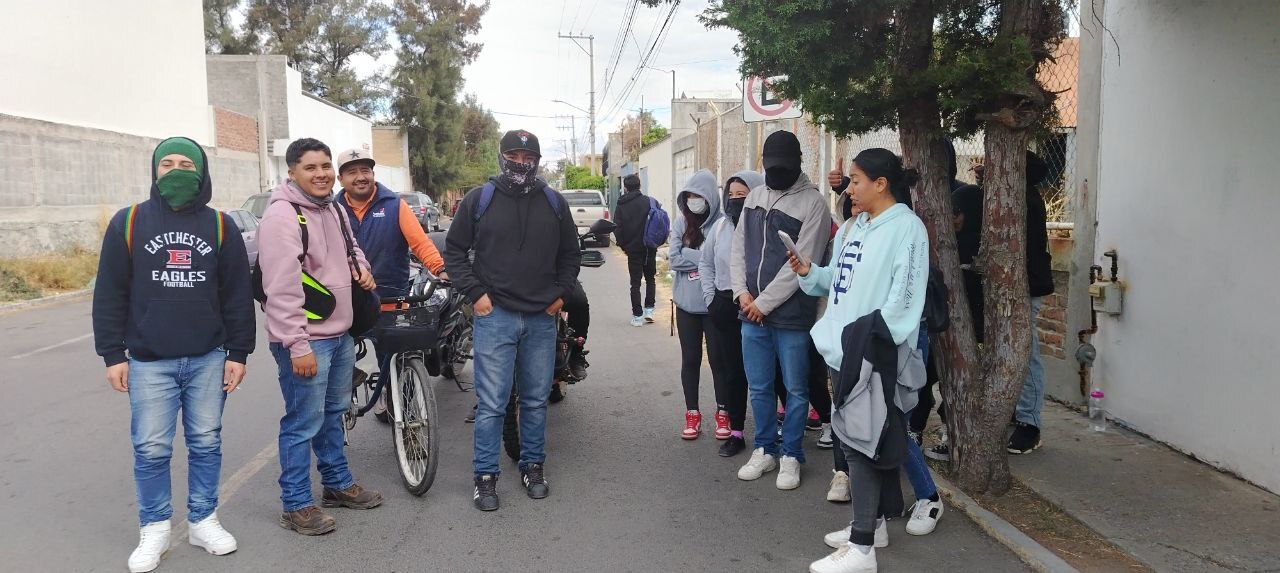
698,206
717,292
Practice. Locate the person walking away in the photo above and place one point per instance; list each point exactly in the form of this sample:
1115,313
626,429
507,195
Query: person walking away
775,315
631,215
717,293
387,232
876,284
526,263
173,321
314,355
699,211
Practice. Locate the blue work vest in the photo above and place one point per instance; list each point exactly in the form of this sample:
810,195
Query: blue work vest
382,241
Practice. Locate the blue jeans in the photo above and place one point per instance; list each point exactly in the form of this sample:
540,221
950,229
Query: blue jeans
156,390
1032,399
520,348
312,420
916,470
764,348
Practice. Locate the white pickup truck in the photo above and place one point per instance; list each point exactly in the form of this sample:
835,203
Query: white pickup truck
587,206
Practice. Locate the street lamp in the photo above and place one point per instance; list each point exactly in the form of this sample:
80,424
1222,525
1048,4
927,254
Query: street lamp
673,79
570,105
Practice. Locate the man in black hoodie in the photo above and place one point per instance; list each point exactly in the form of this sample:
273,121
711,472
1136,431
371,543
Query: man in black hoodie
173,320
631,216
526,259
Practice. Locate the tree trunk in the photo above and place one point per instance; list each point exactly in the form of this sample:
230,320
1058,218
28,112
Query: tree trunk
919,130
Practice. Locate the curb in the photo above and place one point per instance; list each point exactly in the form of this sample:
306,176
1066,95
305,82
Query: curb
1027,549
8,307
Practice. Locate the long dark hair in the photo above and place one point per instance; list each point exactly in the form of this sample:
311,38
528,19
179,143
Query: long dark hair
693,237
880,162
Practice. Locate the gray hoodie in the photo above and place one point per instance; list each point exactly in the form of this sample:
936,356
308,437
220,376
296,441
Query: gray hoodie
760,260
687,290
717,250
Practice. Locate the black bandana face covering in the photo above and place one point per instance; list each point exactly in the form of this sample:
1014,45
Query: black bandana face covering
781,178
734,208
515,175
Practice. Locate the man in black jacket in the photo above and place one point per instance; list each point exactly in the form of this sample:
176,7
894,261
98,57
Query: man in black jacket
173,320
526,259
631,215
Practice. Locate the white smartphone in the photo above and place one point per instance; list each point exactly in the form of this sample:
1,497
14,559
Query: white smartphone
791,246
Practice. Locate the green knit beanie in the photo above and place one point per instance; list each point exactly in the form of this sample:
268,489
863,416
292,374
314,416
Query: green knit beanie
182,146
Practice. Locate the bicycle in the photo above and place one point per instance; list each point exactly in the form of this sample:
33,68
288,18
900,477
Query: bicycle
407,332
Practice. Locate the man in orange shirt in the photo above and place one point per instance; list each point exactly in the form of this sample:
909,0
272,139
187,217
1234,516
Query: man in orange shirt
386,230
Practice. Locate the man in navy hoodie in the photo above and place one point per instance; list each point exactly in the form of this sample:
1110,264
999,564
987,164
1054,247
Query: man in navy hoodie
173,320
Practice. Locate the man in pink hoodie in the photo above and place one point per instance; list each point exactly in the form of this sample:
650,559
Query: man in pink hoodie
315,357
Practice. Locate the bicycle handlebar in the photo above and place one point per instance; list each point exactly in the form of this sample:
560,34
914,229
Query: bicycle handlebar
431,289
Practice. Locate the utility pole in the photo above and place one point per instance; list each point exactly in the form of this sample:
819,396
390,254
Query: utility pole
591,59
573,138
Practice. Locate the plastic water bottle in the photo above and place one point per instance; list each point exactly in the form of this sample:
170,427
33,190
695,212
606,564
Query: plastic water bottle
1097,415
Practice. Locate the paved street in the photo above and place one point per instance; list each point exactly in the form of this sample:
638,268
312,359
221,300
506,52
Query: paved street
627,493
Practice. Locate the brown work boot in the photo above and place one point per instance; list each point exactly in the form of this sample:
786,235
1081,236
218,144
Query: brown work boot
308,521
354,497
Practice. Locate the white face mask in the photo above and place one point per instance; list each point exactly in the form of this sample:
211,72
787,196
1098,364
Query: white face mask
697,205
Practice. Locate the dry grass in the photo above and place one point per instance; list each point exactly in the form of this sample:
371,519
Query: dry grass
32,277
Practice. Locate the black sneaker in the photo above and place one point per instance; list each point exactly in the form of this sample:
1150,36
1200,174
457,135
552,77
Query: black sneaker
486,493
471,418
1025,439
940,452
534,482
578,368
557,393
732,447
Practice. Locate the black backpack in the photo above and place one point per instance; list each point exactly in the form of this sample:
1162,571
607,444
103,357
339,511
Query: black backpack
937,311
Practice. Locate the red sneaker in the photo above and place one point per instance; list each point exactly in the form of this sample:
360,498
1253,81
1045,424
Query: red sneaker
722,425
692,425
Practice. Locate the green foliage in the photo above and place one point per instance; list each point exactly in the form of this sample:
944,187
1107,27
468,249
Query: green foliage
577,177
319,38
434,47
480,137
839,59
654,135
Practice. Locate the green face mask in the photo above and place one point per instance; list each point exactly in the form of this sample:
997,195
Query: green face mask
179,188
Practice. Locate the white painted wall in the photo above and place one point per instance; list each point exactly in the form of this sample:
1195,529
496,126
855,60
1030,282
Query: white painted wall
313,117
130,66
393,178
656,165
1187,195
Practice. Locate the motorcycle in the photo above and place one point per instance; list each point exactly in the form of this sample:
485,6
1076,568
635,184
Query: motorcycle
566,344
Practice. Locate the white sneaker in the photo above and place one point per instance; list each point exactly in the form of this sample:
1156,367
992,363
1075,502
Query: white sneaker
759,464
210,536
153,543
825,440
924,517
847,559
637,321
789,474
648,315
839,491
837,538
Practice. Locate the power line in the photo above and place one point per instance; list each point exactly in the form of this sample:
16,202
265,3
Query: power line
658,41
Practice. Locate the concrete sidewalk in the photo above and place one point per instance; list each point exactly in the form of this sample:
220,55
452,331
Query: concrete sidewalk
1163,507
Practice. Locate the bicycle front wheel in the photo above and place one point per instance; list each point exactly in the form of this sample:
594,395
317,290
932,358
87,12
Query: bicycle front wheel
413,404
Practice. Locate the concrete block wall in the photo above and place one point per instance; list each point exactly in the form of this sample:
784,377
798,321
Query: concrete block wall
235,131
234,83
60,184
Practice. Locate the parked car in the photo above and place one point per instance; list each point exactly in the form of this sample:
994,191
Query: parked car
587,206
248,225
257,204
424,209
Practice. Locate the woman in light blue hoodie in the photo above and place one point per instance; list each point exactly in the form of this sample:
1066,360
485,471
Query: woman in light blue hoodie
698,206
880,261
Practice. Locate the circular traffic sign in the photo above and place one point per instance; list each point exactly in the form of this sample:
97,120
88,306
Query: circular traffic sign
758,106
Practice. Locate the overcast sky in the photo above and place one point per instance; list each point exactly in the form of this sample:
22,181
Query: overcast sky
524,65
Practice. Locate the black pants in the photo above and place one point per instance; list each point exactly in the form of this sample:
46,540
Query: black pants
728,372
579,310
920,416
642,264
693,329
876,493
819,391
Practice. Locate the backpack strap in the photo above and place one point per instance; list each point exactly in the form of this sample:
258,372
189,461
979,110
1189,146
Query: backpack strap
486,198
302,227
128,227
221,229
